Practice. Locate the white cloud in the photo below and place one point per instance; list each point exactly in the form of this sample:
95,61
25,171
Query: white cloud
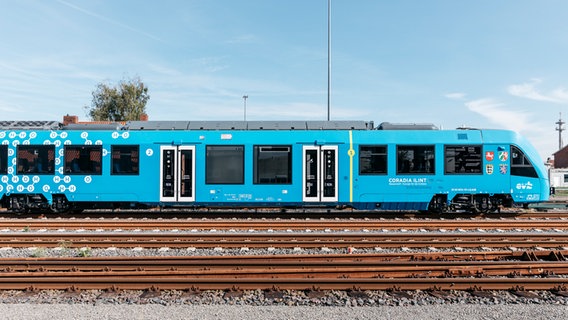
529,91
495,112
455,95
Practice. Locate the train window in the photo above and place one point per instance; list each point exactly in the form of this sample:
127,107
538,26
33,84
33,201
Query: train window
372,160
521,165
224,165
125,160
3,159
83,159
37,159
463,160
272,164
415,159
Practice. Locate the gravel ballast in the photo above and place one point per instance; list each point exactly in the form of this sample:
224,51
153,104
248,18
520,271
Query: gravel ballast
187,312
93,304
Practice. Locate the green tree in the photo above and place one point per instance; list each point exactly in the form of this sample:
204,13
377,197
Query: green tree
123,102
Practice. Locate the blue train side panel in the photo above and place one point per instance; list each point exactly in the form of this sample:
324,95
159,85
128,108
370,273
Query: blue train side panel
364,168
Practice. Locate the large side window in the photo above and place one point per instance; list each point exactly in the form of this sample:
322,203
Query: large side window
462,160
3,159
83,159
125,160
224,165
372,160
37,159
415,159
272,164
521,165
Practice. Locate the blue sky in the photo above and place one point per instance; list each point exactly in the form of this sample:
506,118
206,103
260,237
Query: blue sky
485,64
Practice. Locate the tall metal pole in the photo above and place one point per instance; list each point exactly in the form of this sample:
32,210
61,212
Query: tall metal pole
245,97
328,59
560,129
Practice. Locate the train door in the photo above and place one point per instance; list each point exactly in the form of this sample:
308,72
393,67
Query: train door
177,167
320,173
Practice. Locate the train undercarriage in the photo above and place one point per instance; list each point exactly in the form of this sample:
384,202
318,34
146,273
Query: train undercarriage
475,203
25,203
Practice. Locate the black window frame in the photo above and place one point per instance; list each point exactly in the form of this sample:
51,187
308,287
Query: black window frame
411,163
220,174
121,166
83,163
275,177
369,158
520,164
3,159
467,161
43,155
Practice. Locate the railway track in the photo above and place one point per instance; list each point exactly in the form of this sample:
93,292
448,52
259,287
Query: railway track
286,240
323,272
288,224
463,254
542,211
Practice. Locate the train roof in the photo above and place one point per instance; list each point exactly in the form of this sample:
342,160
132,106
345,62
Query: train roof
406,126
249,125
215,125
30,125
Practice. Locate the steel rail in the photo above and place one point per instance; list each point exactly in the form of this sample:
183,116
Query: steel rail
303,272
183,283
148,280
499,255
284,240
192,224
277,269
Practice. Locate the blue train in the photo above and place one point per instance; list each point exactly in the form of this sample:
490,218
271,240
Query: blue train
292,164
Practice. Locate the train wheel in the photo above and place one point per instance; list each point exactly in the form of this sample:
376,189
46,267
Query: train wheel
485,204
60,205
438,204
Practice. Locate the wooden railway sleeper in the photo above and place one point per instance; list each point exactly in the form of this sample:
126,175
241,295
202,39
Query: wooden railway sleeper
274,293
315,293
32,289
109,292
520,291
437,292
529,256
556,256
233,292
480,292
547,274
73,289
514,274
560,290
481,274
194,289
152,292
357,292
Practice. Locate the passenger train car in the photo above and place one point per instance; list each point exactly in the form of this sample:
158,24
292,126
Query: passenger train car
293,164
